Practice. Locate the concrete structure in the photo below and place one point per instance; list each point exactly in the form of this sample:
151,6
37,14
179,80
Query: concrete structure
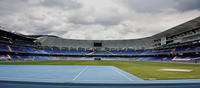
163,38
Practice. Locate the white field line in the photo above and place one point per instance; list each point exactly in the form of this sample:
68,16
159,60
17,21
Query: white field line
180,70
122,74
80,73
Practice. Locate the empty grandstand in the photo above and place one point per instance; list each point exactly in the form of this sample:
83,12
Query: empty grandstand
180,43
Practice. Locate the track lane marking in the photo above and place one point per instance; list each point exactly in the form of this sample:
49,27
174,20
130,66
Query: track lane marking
80,73
122,74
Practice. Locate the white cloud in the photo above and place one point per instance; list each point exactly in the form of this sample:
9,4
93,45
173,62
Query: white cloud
95,19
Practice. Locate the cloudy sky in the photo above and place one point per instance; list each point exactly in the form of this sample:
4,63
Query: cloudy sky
96,19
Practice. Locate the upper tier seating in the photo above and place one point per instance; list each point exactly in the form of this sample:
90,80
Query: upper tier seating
3,48
128,52
16,49
64,51
26,49
101,53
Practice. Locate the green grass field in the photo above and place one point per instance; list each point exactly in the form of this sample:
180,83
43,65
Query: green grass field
144,70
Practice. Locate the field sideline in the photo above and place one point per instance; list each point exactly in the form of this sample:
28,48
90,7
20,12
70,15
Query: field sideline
144,70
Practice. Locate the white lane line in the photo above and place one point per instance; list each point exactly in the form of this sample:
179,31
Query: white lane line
122,74
106,80
80,73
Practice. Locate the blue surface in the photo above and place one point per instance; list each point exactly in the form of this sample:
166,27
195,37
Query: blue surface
58,76
63,74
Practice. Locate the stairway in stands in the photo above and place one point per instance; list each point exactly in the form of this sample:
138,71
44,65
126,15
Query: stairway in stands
109,52
92,53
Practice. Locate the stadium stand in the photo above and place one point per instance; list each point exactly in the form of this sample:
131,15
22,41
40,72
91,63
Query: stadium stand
181,43
3,48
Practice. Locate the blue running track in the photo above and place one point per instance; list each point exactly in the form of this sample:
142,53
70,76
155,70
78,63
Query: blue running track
60,76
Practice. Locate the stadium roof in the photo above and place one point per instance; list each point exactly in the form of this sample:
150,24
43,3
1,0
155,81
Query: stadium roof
190,25
14,35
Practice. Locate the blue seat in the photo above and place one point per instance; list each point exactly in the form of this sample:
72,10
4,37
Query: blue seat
3,48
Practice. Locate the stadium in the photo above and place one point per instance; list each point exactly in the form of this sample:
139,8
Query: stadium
178,44
157,59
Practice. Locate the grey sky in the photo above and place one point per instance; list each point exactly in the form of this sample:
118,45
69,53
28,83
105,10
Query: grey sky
96,19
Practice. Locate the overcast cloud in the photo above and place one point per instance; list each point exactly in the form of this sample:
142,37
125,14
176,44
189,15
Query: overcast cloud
96,19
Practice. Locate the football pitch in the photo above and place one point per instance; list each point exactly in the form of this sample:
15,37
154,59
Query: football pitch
144,70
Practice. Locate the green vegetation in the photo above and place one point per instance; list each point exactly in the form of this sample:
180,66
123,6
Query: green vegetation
145,70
